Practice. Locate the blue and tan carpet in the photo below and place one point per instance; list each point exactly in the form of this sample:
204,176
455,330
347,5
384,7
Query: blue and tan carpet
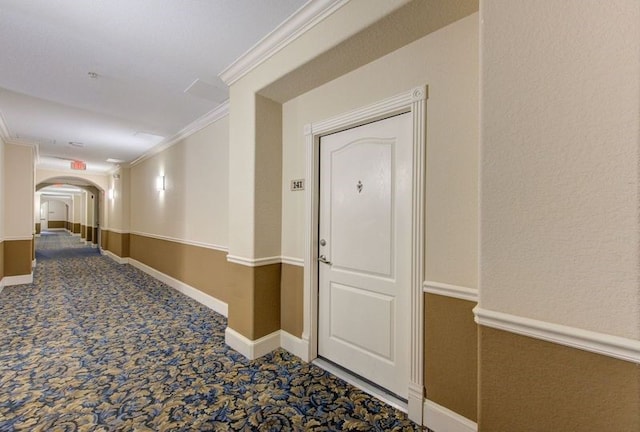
92,345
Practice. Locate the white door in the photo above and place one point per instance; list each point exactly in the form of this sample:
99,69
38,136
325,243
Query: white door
44,216
365,226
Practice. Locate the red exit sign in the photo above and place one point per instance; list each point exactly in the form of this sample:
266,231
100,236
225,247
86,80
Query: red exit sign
78,165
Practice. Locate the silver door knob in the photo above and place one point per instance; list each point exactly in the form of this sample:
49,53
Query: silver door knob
323,242
323,259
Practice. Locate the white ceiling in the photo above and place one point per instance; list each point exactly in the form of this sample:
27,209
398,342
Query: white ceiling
146,54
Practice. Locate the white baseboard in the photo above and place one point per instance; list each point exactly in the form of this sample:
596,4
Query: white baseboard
114,257
33,264
17,280
209,301
441,419
76,234
94,245
296,346
252,349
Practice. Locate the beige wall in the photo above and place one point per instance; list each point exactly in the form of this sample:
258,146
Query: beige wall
447,61
194,206
118,206
559,170
18,189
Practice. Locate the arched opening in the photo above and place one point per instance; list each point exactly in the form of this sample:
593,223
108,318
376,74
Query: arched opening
72,204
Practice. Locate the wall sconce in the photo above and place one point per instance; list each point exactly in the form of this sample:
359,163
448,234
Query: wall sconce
112,194
160,183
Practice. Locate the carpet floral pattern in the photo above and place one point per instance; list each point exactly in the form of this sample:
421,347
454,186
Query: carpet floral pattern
92,345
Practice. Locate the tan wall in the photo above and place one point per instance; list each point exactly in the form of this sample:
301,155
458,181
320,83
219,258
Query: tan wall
38,228
252,293
117,243
291,296
1,260
83,231
57,224
18,257
88,233
451,354
532,385
19,191
77,229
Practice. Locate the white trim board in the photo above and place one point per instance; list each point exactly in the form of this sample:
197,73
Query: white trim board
292,261
599,343
249,348
18,280
199,296
114,257
253,262
441,419
448,290
18,238
296,346
293,27
182,241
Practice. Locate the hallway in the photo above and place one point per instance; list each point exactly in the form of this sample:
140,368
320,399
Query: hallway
94,345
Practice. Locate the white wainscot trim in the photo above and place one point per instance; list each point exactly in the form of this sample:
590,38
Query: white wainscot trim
199,296
18,238
252,349
599,343
253,262
448,290
441,419
177,240
18,280
296,346
292,261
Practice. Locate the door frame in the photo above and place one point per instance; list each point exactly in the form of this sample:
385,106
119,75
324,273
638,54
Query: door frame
414,102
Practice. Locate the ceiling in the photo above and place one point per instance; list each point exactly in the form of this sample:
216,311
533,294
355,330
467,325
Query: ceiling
100,80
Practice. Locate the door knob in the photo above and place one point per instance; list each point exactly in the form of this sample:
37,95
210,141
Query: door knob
323,242
323,259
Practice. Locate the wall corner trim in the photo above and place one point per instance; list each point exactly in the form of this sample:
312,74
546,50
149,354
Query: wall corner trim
253,262
441,419
293,27
203,298
18,280
448,290
295,345
177,240
252,349
599,343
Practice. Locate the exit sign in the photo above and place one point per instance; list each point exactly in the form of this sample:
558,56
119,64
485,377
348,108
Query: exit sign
297,185
78,165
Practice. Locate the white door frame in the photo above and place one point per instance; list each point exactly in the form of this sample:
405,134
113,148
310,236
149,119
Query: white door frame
413,101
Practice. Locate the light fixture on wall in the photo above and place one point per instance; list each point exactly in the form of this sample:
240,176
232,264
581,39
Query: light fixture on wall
160,183
112,194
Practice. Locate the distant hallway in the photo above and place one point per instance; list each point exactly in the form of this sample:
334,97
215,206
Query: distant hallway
94,345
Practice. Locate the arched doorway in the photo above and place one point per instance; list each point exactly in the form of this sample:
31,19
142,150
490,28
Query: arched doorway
70,203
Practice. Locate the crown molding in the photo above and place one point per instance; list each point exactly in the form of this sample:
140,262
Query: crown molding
293,27
212,116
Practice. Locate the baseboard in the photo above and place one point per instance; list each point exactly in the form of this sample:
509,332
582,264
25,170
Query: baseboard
76,234
33,264
441,419
18,280
252,349
209,301
94,245
296,346
114,257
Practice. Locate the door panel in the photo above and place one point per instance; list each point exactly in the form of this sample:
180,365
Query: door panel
365,225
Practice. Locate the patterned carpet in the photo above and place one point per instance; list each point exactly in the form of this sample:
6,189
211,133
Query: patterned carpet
96,346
